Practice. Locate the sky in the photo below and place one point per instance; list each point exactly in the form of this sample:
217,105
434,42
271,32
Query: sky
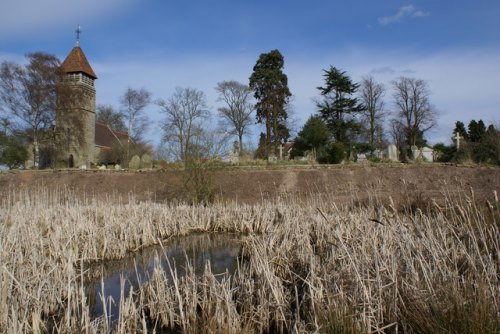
160,45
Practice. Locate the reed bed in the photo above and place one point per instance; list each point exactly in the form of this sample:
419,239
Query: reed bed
303,267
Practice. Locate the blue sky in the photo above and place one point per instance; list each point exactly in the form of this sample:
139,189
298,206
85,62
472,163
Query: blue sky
159,45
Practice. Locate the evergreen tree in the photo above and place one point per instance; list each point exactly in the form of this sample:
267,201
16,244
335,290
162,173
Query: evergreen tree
270,86
13,154
488,149
314,136
260,153
460,129
476,131
338,108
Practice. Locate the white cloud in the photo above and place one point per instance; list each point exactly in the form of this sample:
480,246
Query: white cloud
420,13
20,17
383,70
405,11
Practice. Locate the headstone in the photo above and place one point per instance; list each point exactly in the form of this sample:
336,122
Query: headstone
103,167
415,152
118,167
135,163
378,154
392,152
233,156
83,167
272,158
361,157
146,161
428,154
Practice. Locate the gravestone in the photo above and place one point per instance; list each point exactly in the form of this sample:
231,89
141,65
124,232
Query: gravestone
272,158
361,157
103,167
415,152
392,152
378,154
146,161
233,157
118,167
135,163
428,154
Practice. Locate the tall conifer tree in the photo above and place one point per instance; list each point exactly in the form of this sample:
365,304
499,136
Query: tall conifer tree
338,108
270,86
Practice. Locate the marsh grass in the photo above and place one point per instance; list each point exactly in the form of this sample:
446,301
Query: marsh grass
304,267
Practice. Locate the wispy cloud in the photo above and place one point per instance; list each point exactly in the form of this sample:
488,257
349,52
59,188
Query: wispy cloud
383,70
405,11
18,17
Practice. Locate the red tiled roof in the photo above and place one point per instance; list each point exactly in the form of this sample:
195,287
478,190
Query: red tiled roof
288,146
106,137
77,62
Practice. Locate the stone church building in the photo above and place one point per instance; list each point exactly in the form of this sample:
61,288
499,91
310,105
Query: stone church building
82,141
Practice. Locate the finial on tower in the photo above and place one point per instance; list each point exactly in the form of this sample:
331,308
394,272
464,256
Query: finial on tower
78,32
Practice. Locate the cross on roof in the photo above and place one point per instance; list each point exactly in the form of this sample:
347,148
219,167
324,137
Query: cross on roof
78,31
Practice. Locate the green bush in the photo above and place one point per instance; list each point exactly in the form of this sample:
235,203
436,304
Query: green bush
198,179
444,153
336,153
12,152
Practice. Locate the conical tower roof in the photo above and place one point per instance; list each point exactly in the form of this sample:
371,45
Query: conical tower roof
77,62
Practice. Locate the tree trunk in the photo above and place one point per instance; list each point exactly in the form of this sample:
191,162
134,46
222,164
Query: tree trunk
268,136
240,137
36,153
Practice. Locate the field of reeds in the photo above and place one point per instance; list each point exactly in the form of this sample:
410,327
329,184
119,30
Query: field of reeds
308,266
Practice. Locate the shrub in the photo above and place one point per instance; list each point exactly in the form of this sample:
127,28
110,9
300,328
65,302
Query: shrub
336,153
12,152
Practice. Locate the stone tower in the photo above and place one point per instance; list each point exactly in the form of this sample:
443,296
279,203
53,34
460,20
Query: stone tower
76,110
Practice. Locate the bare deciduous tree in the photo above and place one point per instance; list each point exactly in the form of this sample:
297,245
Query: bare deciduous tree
413,108
238,109
106,114
372,94
28,94
133,103
398,135
184,110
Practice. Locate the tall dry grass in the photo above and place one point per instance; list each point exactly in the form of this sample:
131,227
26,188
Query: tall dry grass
304,267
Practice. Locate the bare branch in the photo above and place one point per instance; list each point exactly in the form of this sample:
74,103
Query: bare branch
184,110
413,108
238,110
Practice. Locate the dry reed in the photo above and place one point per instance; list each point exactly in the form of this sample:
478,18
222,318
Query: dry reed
305,267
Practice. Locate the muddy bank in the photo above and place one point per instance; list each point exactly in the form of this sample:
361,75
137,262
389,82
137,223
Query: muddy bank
343,184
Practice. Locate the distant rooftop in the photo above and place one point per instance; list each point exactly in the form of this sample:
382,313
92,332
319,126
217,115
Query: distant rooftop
107,137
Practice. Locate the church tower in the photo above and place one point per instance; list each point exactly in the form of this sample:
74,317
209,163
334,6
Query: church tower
76,109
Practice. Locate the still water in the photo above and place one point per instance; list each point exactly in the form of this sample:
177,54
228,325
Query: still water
220,250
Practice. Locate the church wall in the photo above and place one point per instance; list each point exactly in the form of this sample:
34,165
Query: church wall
76,123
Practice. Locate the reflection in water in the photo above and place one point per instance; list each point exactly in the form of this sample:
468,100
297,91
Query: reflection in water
220,250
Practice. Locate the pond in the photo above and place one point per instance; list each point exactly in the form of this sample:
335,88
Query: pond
220,250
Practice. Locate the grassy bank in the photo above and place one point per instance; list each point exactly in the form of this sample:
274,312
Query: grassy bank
304,267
